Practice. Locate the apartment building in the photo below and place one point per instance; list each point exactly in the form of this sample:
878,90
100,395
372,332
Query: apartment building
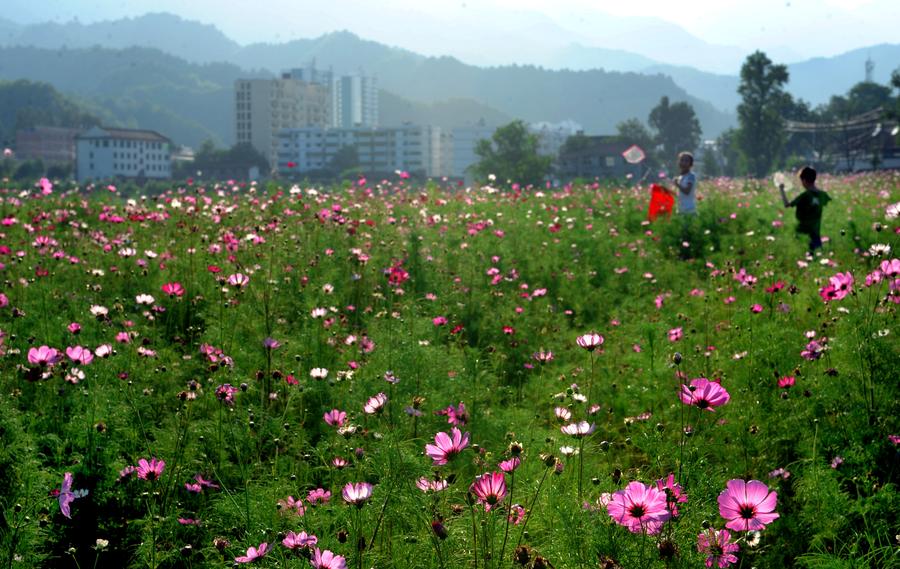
109,153
422,150
264,107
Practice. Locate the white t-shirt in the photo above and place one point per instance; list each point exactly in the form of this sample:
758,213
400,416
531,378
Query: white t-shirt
687,202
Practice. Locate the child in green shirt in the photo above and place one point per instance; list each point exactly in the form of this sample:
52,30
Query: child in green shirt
809,206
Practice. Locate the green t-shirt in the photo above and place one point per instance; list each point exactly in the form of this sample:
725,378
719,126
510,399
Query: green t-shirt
809,206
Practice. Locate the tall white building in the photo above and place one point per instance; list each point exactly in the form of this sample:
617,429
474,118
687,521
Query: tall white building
263,107
354,101
108,153
422,150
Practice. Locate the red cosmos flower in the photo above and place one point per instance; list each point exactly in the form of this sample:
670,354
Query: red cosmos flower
173,289
489,489
446,446
748,506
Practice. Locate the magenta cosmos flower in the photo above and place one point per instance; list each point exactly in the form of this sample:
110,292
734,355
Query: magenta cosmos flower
704,394
489,489
150,470
173,289
327,560
253,553
838,287
357,493
718,548
446,446
590,341
639,508
748,506
335,418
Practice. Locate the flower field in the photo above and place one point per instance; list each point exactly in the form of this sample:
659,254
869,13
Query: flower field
398,375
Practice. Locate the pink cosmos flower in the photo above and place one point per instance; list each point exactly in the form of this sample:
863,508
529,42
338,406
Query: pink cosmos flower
292,505
238,280
357,493
562,413
428,485
511,464
838,287
718,548
44,356
704,394
375,404
674,493
578,430
150,470
173,289
489,489
67,495
80,355
446,446
253,553
675,334
590,341
748,506
439,321
300,540
335,418
457,416
327,560
318,496
640,508
813,351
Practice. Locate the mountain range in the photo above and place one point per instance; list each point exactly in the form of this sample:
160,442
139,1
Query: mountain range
177,75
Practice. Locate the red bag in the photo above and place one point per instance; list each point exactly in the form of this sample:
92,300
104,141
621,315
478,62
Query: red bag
661,202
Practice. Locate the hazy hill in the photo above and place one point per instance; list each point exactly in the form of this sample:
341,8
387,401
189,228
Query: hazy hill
395,111
194,41
24,104
815,80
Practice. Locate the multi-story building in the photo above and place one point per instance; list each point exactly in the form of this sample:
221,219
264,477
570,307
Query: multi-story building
52,145
108,153
263,107
418,150
464,140
354,102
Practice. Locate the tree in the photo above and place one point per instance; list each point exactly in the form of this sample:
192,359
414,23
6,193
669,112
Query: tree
677,128
512,154
761,135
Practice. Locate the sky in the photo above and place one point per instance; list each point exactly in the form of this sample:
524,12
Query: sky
711,34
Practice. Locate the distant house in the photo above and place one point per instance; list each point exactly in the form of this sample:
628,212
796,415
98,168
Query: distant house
110,153
50,144
595,157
